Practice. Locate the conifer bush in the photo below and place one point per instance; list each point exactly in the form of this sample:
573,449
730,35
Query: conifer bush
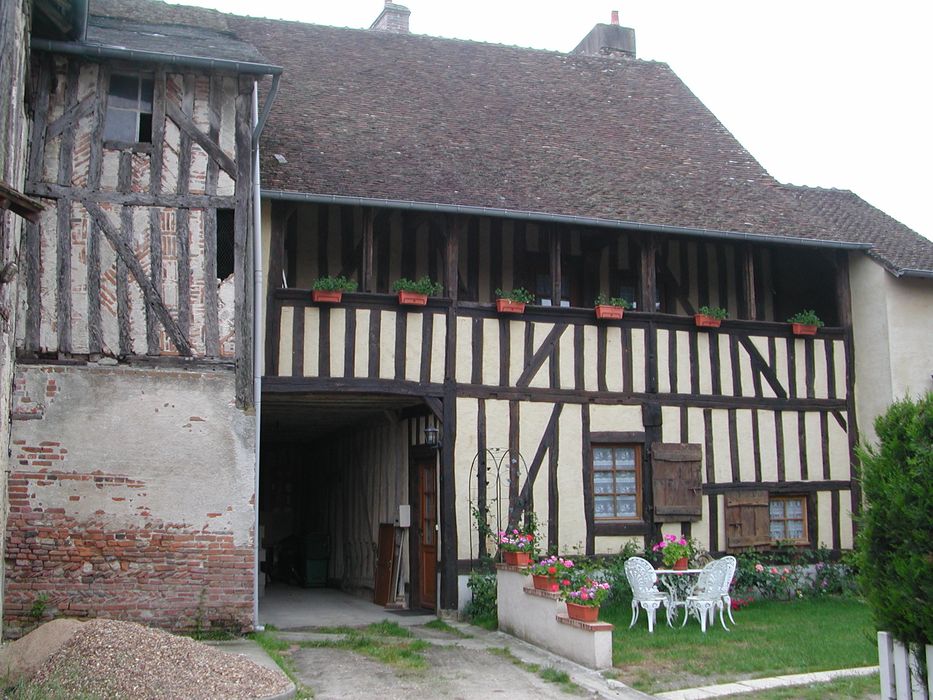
895,551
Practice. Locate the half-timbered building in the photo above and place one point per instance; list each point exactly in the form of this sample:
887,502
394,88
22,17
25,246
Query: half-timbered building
388,155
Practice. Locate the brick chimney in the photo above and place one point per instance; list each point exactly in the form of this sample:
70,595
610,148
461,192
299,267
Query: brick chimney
393,18
608,40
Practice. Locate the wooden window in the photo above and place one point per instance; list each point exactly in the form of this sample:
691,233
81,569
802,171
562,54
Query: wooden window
129,109
788,516
617,490
676,482
747,523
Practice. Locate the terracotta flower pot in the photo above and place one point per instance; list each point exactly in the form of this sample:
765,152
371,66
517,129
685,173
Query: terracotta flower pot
517,558
608,311
681,564
704,321
320,296
543,582
412,298
584,613
507,306
803,329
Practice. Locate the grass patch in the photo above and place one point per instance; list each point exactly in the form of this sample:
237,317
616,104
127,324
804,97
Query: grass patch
770,638
856,688
389,629
388,651
442,626
277,649
487,622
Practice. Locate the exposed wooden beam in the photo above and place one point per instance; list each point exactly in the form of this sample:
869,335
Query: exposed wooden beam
150,292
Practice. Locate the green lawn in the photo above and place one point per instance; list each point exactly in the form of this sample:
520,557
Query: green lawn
769,639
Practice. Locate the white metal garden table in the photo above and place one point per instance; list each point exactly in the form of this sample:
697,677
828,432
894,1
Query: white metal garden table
678,583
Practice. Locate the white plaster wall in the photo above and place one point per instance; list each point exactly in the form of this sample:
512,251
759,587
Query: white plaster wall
892,322
179,433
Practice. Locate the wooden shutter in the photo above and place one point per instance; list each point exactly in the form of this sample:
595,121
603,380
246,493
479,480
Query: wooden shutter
675,481
747,521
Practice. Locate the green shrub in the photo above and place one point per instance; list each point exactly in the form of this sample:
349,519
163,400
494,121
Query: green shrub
421,286
519,294
807,317
334,284
605,300
895,552
482,608
714,312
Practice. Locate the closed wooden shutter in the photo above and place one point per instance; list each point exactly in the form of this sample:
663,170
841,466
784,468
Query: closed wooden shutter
747,519
675,481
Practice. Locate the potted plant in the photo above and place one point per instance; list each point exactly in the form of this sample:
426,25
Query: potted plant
610,307
416,292
547,572
583,599
513,302
516,546
805,322
329,290
675,552
710,316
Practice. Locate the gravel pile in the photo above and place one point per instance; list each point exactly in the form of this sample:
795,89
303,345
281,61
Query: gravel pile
107,658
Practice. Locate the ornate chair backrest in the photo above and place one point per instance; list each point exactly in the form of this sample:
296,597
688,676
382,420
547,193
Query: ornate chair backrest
728,564
705,579
641,577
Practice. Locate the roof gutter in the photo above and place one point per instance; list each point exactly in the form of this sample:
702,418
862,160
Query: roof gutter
910,272
556,218
117,52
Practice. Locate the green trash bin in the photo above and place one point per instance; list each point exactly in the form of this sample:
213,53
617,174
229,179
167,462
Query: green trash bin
316,559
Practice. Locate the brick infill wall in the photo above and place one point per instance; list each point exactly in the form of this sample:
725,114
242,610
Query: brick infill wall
94,565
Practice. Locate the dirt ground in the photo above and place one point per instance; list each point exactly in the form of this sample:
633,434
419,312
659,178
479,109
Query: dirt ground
451,673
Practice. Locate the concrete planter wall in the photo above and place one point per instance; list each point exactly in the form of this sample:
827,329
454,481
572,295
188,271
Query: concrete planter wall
540,618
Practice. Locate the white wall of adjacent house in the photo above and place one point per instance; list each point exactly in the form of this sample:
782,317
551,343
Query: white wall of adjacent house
892,321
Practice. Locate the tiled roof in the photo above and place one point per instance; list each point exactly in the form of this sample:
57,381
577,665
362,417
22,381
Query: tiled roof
151,26
896,246
415,118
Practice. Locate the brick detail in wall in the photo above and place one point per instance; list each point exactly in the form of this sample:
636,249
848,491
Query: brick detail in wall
164,574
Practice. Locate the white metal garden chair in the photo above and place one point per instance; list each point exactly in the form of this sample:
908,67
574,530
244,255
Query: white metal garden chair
711,592
645,594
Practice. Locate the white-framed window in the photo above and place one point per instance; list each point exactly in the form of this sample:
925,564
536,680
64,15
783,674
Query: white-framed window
788,515
617,482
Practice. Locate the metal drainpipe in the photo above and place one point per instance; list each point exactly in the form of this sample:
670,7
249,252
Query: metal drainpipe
258,360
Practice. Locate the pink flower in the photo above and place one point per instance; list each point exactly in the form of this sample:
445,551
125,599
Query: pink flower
759,568
583,595
774,570
786,571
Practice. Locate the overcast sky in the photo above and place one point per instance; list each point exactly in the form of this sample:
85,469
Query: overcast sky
830,93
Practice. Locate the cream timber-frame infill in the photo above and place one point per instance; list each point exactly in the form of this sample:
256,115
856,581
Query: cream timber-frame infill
749,406
123,261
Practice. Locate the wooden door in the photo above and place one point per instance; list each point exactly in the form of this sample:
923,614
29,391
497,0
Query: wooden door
384,557
427,532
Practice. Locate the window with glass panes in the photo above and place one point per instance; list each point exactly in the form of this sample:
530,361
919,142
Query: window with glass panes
788,518
617,482
129,109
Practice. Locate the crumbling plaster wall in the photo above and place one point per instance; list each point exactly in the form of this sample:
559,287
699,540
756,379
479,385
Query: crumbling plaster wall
131,496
